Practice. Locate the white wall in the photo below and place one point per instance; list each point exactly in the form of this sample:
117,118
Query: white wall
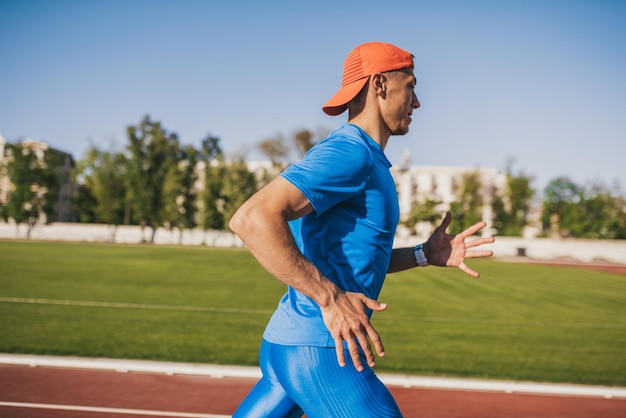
122,234
541,248
584,250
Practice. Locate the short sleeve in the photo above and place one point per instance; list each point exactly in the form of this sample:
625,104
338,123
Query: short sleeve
334,170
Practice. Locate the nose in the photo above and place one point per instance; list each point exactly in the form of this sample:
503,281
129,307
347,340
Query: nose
416,103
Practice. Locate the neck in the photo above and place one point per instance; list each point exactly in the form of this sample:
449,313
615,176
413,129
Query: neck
373,126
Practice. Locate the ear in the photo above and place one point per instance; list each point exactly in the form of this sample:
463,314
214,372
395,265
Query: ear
378,83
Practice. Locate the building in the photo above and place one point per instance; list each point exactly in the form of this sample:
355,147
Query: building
416,184
63,208
5,183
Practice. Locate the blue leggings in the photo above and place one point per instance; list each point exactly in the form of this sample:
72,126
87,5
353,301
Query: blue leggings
308,380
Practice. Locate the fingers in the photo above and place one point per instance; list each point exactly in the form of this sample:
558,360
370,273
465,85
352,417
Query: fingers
479,241
445,223
476,243
354,352
478,254
366,347
374,304
353,349
468,270
376,341
473,229
369,329
341,358
357,332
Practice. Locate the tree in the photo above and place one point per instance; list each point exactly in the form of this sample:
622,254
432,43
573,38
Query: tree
303,141
597,214
276,150
102,195
616,226
559,206
210,148
570,210
467,210
54,175
239,184
226,186
32,173
211,197
85,204
424,212
152,152
179,194
25,174
511,210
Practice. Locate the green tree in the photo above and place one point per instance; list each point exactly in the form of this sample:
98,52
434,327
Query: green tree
25,175
599,214
85,204
560,210
239,184
211,197
179,194
54,176
426,211
226,185
84,200
617,222
103,191
468,209
511,210
152,152
32,176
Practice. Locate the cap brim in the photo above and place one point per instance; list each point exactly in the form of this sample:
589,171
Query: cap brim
338,103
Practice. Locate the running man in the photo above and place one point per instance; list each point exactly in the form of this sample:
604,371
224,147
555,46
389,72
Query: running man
325,227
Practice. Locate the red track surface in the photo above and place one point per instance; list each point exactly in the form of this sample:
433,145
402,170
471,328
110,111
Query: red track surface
31,387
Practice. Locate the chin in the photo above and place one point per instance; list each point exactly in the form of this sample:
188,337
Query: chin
401,131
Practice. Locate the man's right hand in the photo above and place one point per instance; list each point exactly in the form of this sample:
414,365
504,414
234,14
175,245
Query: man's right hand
346,320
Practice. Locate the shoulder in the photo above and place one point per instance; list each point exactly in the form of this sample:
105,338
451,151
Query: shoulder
341,150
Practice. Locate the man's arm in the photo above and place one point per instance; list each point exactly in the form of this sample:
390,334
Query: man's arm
261,223
444,250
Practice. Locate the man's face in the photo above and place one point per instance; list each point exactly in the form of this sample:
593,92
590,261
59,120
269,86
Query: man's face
400,101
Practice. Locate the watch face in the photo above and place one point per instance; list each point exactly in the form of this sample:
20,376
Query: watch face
420,257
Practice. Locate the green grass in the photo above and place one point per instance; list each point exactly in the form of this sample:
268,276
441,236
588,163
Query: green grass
518,322
209,305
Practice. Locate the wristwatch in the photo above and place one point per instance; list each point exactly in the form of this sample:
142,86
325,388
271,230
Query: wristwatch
420,257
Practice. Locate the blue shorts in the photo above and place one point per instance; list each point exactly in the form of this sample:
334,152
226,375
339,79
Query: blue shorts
308,380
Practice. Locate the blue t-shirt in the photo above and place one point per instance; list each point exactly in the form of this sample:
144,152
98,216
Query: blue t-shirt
348,236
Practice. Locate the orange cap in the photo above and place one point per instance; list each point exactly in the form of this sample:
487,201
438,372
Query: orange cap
363,61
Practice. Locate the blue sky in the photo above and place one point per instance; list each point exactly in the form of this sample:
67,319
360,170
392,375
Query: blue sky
540,85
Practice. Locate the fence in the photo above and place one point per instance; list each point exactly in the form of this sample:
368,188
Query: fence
584,250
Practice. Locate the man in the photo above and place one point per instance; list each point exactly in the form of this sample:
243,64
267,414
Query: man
325,227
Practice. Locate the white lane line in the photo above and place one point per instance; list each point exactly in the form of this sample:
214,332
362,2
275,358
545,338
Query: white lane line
110,410
385,317
559,389
142,366
133,305
248,372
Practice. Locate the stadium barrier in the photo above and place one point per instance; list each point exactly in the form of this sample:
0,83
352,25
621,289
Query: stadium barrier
581,250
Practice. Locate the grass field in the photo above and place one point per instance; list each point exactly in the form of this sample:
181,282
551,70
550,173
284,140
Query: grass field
209,305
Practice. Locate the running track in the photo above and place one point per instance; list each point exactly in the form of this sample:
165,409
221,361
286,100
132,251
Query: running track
56,387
